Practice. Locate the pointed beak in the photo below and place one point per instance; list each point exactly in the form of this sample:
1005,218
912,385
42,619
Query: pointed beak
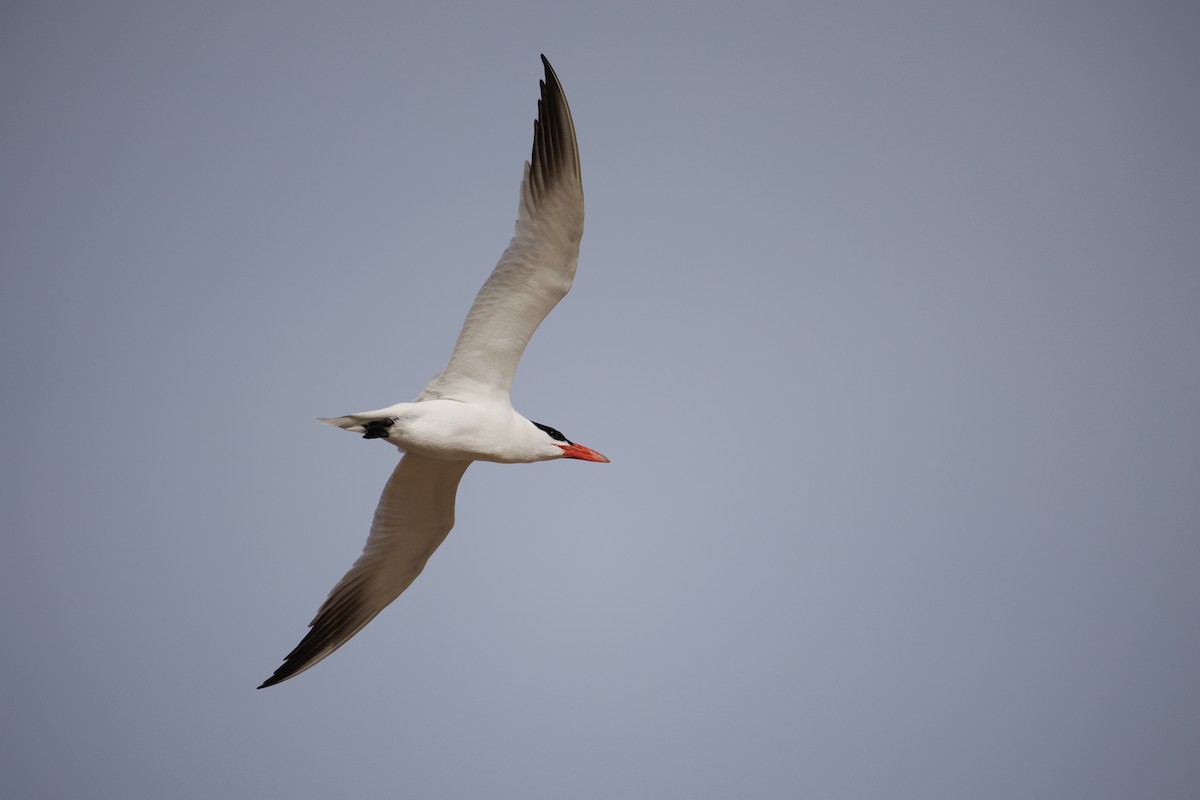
582,453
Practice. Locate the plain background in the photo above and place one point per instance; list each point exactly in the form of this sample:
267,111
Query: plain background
888,315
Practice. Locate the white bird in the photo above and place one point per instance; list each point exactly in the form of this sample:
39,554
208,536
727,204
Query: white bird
465,414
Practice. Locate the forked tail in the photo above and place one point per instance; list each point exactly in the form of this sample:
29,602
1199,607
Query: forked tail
351,422
371,424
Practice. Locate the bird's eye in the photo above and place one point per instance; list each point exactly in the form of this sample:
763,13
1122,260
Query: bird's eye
553,434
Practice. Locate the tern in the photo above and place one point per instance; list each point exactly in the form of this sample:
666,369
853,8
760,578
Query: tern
465,414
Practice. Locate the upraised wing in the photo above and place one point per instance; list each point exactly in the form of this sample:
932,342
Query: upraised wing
535,271
414,515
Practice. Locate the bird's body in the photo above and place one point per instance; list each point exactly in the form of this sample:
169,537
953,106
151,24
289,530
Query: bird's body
465,413
456,430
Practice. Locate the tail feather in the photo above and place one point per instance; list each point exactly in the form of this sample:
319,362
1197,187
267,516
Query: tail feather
351,422
366,422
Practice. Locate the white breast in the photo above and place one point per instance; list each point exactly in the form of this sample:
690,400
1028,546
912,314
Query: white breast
448,429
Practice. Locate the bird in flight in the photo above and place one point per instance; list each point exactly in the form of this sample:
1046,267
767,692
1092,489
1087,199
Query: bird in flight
465,414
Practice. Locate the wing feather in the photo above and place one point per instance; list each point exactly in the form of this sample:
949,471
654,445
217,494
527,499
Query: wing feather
414,515
535,271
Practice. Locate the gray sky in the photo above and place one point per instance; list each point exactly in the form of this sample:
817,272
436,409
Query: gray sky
888,315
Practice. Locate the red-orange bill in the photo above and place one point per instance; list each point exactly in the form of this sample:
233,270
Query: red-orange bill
581,452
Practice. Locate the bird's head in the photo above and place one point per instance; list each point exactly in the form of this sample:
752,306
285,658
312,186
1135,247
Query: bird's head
569,449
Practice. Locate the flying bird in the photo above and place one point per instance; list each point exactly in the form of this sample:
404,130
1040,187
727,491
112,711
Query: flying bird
465,414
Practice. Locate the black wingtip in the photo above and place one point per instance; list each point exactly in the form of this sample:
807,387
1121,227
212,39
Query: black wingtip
279,677
551,75
291,667
555,154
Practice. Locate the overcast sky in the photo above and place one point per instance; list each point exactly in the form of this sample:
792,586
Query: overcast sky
888,315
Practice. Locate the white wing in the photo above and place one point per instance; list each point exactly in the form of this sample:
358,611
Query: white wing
535,271
414,515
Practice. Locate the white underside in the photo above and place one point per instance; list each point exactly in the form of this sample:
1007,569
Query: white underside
450,430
